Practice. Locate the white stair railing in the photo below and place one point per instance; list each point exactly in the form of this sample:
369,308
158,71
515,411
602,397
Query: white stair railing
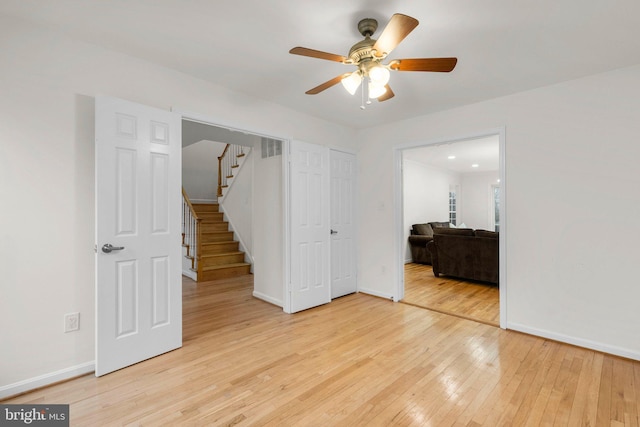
227,162
190,231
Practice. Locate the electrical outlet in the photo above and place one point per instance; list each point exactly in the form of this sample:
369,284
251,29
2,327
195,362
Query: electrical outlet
71,322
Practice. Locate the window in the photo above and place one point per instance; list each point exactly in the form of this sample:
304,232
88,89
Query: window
453,209
496,207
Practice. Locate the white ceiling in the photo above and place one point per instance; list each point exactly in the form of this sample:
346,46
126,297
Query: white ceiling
483,152
502,46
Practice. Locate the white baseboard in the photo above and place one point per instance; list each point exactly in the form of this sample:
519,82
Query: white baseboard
268,299
46,379
375,293
190,274
592,345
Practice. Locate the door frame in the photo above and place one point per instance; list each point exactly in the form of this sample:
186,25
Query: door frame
216,121
398,212
286,217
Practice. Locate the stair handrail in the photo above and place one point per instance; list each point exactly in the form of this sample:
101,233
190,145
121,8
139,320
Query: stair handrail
227,161
191,231
221,166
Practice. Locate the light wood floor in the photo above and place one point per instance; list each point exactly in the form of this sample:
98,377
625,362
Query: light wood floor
463,298
359,361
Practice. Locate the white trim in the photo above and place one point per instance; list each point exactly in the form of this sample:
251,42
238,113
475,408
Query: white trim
398,221
377,294
46,379
267,298
190,274
398,211
286,218
502,237
215,121
592,345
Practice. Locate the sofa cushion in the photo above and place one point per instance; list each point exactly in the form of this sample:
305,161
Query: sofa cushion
423,230
454,231
485,233
435,225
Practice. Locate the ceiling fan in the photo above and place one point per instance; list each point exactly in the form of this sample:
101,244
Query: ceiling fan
368,55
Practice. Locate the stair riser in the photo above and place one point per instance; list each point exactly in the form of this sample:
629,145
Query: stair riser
221,260
224,273
211,216
215,226
217,237
205,208
219,249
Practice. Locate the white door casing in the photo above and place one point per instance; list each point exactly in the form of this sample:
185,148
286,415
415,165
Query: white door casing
310,283
343,249
138,179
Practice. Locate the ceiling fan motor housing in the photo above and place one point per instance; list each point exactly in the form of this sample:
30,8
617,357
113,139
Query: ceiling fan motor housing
367,26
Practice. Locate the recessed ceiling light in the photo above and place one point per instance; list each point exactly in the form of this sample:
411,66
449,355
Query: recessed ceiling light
451,157
475,165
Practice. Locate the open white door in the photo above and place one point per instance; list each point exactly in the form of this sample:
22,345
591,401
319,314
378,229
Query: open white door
310,284
343,249
138,279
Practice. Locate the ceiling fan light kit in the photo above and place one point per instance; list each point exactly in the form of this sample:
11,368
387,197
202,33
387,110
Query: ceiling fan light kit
368,55
352,82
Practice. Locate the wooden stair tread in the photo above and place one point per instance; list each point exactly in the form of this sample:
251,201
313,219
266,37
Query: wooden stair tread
223,266
218,243
220,255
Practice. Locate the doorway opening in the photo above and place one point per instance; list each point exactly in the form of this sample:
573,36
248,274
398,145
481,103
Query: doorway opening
252,201
457,184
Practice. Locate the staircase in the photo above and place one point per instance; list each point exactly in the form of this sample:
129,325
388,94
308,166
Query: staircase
219,256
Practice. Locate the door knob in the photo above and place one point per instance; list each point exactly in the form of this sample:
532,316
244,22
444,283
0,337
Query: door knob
108,248
334,232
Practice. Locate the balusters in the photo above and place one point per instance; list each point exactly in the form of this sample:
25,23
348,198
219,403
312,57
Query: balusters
227,161
190,230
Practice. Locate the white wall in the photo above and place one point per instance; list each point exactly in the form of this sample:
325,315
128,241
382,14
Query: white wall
237,203
268,229
200,170
48,82
425,195
571,153
477,199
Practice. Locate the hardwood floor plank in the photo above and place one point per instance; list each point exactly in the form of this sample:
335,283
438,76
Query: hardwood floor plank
468,300
359,361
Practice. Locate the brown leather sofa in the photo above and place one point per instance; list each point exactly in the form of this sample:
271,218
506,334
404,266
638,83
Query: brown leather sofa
465,253
421,234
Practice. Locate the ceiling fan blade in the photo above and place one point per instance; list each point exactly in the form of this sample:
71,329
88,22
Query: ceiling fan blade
387,95
396,30
442,65
317,54
327,84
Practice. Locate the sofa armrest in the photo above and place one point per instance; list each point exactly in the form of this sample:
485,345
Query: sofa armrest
431,247
419,239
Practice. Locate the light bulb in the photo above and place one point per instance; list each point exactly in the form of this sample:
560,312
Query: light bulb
379,75
376,90
352,81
